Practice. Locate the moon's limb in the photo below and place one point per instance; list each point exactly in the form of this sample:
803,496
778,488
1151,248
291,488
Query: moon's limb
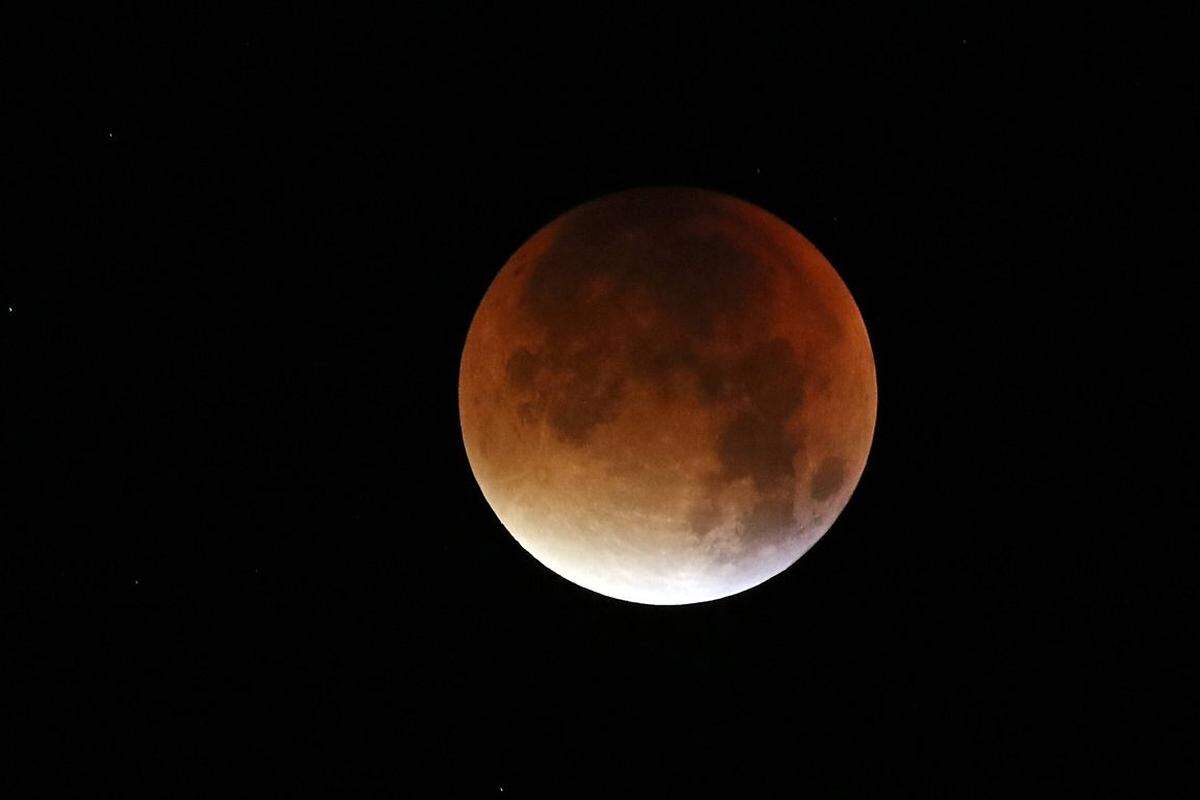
667,395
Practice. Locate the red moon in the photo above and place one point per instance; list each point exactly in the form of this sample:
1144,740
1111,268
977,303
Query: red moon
667,395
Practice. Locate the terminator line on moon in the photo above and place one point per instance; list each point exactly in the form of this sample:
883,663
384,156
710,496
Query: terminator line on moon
667,395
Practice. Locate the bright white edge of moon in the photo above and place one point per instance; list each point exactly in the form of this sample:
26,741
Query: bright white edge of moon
690,569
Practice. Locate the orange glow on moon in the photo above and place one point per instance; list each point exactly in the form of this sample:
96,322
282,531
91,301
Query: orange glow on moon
667,395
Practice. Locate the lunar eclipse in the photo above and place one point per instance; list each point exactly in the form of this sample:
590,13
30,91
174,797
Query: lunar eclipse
667,395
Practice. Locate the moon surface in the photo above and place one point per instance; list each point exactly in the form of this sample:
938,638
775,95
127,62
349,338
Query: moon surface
667,395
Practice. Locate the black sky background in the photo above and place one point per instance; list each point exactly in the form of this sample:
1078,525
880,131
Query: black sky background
243,535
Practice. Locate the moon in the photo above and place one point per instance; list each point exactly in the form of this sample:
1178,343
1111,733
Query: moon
667,395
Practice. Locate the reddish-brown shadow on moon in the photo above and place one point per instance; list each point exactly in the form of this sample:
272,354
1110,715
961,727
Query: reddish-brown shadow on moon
667,395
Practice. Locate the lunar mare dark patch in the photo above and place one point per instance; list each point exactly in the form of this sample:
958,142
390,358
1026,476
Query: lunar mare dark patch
828,478
522,367
622,287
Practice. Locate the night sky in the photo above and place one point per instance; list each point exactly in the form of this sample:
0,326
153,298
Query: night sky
243,536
